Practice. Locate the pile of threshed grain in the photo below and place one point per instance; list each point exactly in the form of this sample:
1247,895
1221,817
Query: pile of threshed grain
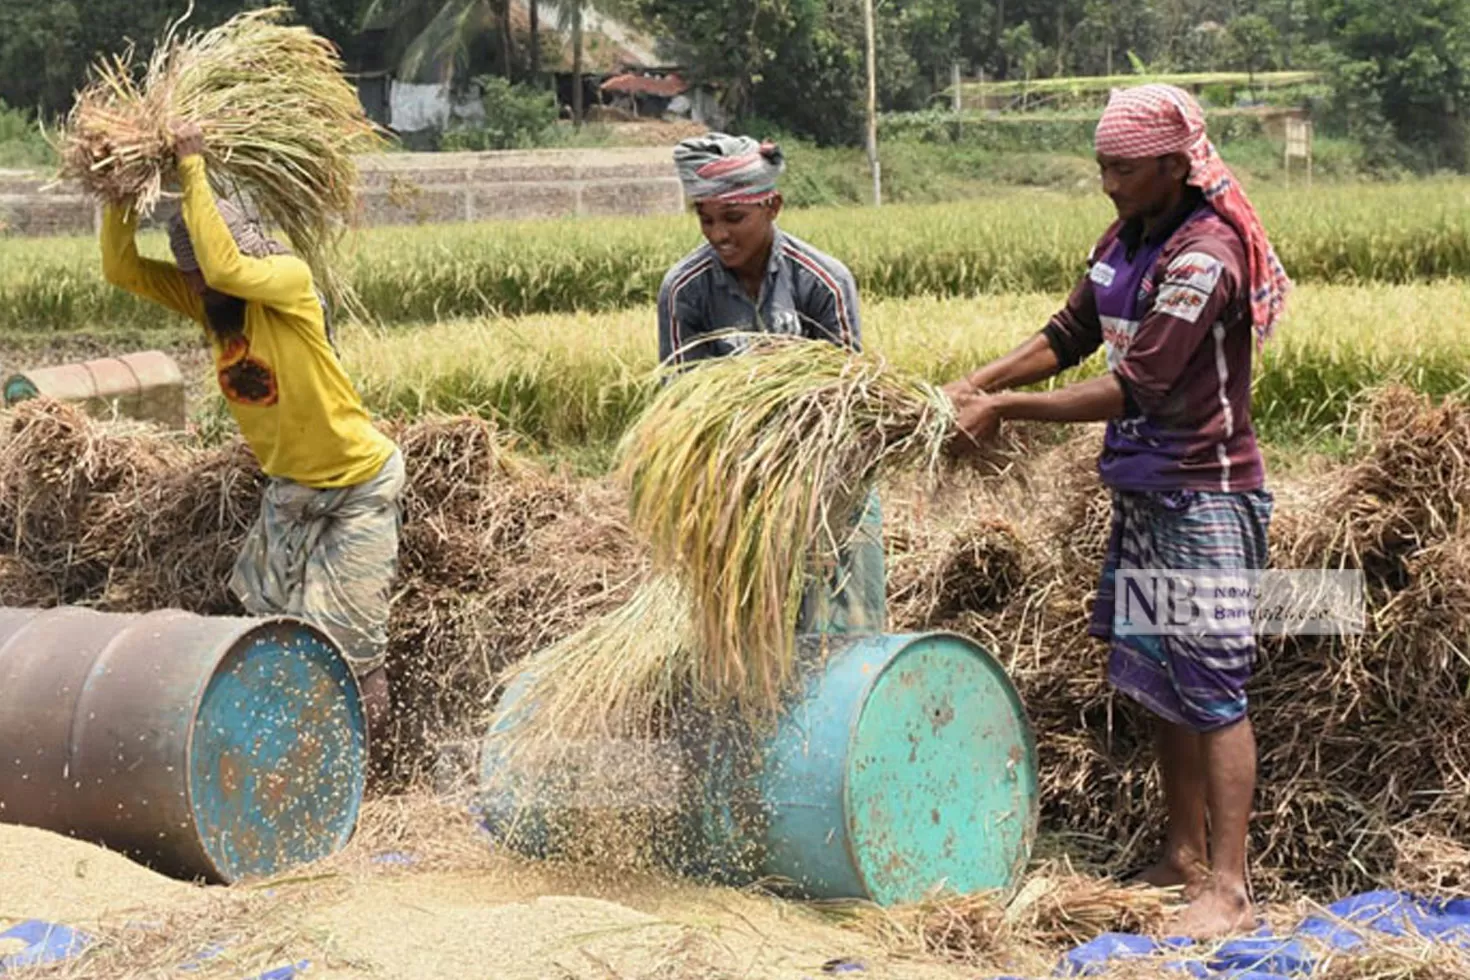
1363,749
499,556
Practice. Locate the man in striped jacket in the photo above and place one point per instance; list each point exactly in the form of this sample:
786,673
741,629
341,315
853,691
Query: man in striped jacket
750,276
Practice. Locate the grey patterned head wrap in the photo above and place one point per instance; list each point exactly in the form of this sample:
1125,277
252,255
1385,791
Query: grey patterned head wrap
730,169
247,234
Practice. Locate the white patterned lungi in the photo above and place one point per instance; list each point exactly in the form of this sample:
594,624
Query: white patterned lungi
328,557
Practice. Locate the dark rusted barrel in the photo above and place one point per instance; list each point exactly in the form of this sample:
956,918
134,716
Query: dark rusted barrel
205,747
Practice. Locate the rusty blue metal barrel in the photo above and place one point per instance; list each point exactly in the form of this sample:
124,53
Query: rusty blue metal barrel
207,748
904,763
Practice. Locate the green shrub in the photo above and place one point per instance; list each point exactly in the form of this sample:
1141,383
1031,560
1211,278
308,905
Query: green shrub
516,117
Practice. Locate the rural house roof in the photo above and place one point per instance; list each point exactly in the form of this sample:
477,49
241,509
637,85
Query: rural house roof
666,86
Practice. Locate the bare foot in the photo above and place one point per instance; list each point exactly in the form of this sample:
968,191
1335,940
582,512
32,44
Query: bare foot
1170,872
1220,910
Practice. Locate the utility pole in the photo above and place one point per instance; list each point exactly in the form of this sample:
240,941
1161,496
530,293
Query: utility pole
873,163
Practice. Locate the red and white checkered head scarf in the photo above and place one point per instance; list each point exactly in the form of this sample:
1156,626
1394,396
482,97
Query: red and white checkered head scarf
1157,120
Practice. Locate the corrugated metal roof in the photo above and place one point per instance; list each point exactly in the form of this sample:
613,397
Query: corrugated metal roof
666,87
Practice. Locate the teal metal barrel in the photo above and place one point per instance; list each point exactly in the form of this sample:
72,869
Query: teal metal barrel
208,748
906,763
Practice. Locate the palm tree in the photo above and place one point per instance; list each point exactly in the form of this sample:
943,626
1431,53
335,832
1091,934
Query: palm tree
570,16
434,36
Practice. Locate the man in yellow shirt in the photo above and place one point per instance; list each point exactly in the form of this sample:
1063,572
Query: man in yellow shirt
325,546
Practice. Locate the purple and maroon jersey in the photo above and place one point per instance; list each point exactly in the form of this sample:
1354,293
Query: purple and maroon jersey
1172,313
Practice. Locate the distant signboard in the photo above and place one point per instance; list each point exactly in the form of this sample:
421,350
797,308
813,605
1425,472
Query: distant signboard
1298,145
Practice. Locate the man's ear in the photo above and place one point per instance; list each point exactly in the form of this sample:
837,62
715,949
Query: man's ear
1178,166
775,206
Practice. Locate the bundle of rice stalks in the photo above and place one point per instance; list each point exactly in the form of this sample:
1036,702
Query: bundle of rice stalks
746,472
280,121
618,677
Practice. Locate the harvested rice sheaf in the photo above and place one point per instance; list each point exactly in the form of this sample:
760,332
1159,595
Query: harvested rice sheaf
746,472
281,126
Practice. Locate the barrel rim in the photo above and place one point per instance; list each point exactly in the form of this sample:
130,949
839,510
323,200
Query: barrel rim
249,626
1028,732
18,388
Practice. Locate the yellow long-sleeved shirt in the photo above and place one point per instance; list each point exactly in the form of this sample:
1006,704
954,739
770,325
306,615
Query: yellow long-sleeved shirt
287,391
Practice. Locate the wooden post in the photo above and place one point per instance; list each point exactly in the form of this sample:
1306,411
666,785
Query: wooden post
958,99
577,97
873,163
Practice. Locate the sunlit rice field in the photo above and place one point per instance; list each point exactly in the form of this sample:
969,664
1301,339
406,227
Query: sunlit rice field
1014,242
578,379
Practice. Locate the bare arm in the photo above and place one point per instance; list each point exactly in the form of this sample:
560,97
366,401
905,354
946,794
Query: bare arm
1032,361
980,416
1097,400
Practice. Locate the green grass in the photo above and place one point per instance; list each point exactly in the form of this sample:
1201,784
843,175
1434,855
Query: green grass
572,383
1016,241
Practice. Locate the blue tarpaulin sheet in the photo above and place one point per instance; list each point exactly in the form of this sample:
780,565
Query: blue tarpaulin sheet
1343,928
48,942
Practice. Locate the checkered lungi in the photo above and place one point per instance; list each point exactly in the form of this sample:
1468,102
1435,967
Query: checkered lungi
1196,681
329,558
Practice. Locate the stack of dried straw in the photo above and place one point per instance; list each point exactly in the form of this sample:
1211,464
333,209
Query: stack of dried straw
1364,758
1362,738
498,556
281,124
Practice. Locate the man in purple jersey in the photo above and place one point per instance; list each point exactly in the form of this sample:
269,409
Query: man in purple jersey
1174,293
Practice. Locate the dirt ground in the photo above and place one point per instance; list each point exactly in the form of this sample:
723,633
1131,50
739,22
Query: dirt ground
416,895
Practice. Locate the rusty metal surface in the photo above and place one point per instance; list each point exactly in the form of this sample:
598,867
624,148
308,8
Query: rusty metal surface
97,724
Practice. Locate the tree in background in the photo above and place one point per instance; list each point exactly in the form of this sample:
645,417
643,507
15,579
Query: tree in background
445,41
1252,43
46,48
731,42
1401,78
1022,53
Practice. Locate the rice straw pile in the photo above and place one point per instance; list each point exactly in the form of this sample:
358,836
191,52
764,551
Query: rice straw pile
498,556
1052,909
747,472
281,124
1359,736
